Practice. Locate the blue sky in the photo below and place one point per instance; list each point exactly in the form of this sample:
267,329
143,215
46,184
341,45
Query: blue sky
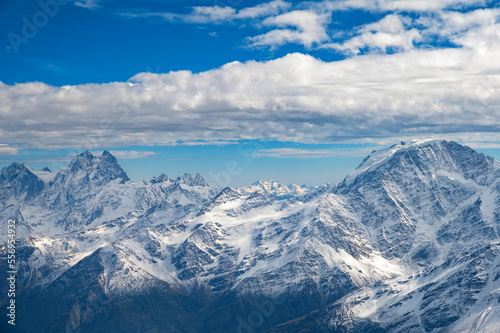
298,91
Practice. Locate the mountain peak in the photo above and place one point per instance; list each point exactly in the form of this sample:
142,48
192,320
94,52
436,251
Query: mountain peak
379,157
21,181
193,180
159,179
104,167
81,161
433,155
14,170
274,188
269,183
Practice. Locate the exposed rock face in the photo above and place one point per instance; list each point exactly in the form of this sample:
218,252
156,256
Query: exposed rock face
408,242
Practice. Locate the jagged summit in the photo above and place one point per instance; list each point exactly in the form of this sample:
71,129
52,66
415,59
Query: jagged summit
17,180
102,168
14,170
158,179
192,180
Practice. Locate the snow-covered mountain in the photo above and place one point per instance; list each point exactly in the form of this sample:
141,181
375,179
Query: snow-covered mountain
275,188
408,242
279,190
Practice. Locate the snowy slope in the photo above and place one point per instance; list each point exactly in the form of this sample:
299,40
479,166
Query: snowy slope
276,189
408,242
433,208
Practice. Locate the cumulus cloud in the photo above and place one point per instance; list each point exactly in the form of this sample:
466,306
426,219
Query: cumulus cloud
204,143
295,98
407,24
217,14
399,5
456,26
293,153
483,145
263,10
6,150
393,31
427,5
309,28
313,153
401,32
131,154
214,14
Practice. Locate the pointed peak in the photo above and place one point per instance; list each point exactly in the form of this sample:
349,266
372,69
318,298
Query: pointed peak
108,157
15,168
159,179
380,158
86,154
82,160
23,182
16,165
106,164
46,169
192,180
227,192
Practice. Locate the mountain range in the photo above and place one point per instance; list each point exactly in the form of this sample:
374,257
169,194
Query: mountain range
408,242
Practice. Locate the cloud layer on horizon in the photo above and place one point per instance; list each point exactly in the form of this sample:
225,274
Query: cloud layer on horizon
295,98
373,96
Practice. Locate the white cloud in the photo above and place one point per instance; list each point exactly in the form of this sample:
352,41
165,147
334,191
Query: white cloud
483,145
397,32
293,153
459,22
458,27
131,154
309,29
313,153
213,14
399,5
217,14
428,5
294,98
391,32
263,10
204,143
6,150
89,4
309,23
